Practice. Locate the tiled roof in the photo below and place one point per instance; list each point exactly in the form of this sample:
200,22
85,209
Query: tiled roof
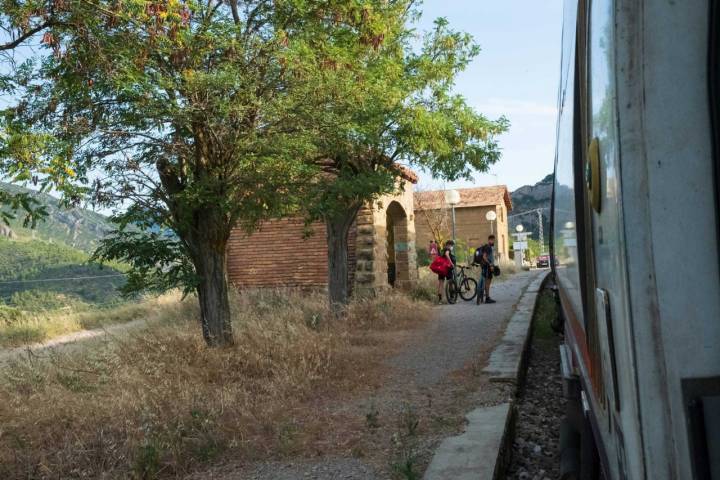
469,197
407,174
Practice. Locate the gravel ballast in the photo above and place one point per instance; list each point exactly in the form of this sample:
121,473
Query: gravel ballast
541,407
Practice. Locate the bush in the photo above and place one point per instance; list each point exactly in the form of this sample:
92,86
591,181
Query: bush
42,300
426,287
9,315
423,258
508,267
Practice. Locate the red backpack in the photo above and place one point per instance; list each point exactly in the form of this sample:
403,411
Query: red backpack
440,265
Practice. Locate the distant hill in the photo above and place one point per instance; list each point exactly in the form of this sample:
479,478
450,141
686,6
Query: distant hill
47,267
526,201
78,228
35,274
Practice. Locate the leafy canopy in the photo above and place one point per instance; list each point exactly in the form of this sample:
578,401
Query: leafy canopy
391,103
185,117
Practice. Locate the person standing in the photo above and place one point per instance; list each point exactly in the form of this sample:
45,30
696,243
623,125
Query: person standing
433,250
487,263
447,252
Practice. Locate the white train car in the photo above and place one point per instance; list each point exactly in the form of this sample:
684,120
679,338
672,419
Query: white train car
636,227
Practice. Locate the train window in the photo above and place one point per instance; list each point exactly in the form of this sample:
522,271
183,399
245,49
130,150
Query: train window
565,236
701,397
580,136
714,78
594,98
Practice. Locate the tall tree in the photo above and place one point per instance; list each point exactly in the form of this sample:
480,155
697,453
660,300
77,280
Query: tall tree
433,212
188,117
393,105
20,23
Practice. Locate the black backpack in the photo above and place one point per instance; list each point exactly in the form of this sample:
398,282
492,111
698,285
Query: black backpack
478,255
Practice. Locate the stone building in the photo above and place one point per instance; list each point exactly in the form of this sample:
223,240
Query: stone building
433,218
287,253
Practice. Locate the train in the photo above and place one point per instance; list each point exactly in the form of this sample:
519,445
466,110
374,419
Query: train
635,231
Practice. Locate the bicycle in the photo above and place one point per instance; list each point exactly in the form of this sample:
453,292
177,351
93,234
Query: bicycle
460,284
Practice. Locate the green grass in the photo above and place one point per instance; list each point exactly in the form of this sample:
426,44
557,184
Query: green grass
545,312
36,329
29,269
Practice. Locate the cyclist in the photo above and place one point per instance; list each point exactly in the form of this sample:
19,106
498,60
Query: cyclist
447,252
485,255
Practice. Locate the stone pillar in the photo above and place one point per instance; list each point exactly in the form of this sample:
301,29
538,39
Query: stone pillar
366,265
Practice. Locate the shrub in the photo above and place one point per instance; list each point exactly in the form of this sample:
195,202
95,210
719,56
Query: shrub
423,257
426,287
508,267
9,315
42,300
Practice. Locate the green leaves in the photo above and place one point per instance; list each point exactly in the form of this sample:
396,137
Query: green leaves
15,202
393,102
158,261
191,116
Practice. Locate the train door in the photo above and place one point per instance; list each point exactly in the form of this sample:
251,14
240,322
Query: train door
606,272
585,145
573,234
600,239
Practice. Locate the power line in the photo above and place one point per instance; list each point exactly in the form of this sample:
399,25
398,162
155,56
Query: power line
115,275
527,212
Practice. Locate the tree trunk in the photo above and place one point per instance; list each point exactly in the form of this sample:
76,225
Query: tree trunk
338,228
212,291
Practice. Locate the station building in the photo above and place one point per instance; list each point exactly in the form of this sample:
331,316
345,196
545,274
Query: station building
381,249
383,241
434,218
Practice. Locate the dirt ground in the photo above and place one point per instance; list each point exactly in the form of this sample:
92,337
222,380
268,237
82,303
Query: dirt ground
390,428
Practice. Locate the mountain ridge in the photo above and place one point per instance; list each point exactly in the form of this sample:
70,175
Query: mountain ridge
78,228
526,201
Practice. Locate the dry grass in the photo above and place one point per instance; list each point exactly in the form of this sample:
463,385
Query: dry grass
508,267
24,327
157,403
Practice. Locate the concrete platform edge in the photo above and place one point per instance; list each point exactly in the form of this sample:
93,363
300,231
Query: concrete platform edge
508,363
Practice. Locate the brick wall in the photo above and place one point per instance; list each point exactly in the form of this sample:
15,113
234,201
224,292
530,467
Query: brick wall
279,255
471,228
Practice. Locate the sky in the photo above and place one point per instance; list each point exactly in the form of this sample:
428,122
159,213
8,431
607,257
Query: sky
516,74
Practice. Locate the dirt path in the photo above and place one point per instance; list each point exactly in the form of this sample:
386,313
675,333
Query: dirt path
430,384
70,340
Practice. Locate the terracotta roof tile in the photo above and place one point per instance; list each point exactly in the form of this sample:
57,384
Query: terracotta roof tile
469,197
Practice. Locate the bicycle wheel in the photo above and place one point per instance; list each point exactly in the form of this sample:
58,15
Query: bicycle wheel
468,289
451,291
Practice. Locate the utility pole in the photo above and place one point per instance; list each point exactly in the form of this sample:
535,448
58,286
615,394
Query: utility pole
540,231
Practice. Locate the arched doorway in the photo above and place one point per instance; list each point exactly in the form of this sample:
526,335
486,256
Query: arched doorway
397,247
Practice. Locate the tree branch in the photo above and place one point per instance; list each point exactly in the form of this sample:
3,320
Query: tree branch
25,36
235,13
